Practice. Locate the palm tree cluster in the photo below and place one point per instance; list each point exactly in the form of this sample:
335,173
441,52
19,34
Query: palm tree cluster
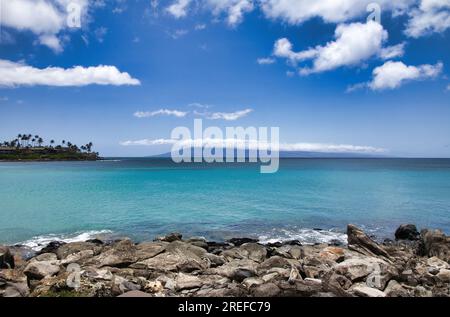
29,141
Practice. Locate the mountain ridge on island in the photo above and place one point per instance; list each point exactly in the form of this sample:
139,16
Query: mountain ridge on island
298,154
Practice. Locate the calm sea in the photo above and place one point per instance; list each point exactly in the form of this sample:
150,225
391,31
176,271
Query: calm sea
143,198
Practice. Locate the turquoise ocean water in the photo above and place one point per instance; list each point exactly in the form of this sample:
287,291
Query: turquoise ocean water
143,198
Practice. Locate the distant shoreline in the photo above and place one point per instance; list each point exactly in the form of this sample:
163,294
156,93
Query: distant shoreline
47,155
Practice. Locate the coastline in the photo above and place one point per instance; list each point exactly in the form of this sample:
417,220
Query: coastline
416,265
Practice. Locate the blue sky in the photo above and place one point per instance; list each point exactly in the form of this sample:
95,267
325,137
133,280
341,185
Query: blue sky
323,74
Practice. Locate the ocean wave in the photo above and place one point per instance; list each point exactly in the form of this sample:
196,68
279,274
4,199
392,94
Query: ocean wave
305,236
39,242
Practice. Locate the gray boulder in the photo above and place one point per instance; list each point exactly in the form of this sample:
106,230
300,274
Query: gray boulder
37,270
434,243
121,254
254,251
407,232
358,241
6,258
174,236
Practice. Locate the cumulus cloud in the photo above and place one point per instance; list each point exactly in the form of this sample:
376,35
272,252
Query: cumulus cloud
45,18
179,8
233,9
259,145
432,16
13,74
334,11
393,75
227,116
291,11
354,43
52,42
160,112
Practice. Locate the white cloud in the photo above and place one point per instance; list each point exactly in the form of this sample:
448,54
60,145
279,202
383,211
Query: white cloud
233,9
45,18
291,11
199,27
432,16
52,42
178,33
354,43
4,99
179,8
394,51
259,145
265,61
283,48
200,105
163,112
448,87
393,75
38,16
227,116
14,74
334,11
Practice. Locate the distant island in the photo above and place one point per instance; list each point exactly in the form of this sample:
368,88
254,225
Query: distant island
26,147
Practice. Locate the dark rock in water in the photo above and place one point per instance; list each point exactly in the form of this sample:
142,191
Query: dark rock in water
407,232
6,258
358,241
171,237
274,245
240,241
434,243
52,247
282,243
95,241
336,243
217,247
199,242
292,242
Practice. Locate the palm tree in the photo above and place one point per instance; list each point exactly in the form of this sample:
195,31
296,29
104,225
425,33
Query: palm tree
22,139
52,142
89,147
40,141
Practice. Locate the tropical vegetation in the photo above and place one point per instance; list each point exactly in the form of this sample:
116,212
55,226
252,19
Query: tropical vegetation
34,147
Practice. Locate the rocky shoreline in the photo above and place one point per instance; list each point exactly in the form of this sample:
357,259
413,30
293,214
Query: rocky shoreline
415,265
